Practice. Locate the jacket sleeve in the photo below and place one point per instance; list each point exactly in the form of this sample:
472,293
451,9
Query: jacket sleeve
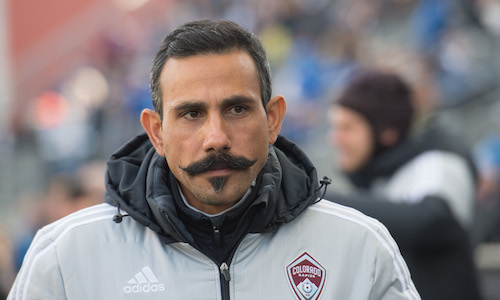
391,277
428,224
441,174
40,276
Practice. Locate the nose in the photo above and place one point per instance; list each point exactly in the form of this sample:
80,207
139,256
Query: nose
216,136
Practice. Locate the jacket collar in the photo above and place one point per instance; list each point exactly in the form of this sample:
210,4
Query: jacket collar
137,177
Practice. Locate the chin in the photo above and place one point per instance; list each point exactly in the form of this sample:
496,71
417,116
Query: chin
227,194
346,167
220,199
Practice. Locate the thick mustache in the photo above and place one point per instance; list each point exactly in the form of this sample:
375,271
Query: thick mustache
218,161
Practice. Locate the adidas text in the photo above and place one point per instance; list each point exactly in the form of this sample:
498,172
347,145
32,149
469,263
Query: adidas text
144,288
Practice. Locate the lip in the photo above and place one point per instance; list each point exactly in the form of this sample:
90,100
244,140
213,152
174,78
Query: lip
219,172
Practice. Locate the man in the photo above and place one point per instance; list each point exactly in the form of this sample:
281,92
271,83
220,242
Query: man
212,203
420,185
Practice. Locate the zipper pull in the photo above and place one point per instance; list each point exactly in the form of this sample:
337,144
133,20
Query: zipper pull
217,237
224,269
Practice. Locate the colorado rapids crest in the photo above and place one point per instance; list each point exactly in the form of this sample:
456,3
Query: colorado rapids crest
307,277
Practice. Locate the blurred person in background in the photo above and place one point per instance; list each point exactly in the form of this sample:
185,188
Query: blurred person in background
6,264
70,192
65,193
212,203
487,159
414,177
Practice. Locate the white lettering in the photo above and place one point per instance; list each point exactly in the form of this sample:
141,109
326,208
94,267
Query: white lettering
144,288
306,271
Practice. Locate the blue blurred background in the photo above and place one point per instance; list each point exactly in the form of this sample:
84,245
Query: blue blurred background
74,77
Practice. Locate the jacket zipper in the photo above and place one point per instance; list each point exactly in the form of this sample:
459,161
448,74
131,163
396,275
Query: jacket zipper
225,277
224,280
224,274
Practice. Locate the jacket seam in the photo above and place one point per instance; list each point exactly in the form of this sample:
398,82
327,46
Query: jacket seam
60,272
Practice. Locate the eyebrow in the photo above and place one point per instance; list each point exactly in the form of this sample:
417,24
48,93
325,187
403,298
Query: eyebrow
197,105
237,100
189,105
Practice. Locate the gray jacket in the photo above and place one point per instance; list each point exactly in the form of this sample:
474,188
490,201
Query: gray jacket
423,191
299,250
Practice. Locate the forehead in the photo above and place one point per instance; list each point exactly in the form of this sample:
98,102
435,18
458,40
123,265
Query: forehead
340,114
209,76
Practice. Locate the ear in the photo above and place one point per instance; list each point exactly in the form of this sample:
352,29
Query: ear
389,137
276,108
151,122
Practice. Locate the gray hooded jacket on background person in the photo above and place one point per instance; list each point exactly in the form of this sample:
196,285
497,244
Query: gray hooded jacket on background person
278,242
430,230
420,185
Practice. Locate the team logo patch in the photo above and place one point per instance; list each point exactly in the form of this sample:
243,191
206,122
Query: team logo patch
307,277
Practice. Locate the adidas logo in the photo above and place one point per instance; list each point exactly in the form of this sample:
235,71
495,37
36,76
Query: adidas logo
144,282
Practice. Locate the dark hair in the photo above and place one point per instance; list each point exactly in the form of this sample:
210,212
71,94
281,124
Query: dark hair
207,36
383,98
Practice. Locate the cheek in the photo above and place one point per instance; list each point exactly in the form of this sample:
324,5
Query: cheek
365,141
351,142
177,148
344,139
253,137
360,149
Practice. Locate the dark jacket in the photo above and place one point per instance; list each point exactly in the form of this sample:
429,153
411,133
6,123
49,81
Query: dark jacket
434,244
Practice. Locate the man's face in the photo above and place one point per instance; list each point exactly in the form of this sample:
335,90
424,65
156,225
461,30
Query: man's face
212,107
352,136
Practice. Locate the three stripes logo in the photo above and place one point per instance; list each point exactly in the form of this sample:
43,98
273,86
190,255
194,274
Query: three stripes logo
144,282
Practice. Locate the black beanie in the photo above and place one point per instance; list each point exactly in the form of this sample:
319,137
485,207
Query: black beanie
383,99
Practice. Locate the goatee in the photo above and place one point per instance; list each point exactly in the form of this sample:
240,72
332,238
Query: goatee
218,183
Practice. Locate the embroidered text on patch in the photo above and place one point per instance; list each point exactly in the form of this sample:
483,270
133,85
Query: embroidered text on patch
307,277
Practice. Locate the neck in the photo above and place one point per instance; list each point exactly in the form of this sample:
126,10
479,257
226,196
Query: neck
210,209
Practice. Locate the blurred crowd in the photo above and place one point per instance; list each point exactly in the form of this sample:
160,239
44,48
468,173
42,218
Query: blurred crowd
446,50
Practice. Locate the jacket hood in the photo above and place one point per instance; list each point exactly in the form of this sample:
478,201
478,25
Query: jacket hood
136,182
433,137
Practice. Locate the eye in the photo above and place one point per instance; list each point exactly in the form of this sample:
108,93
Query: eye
238,110
192,115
